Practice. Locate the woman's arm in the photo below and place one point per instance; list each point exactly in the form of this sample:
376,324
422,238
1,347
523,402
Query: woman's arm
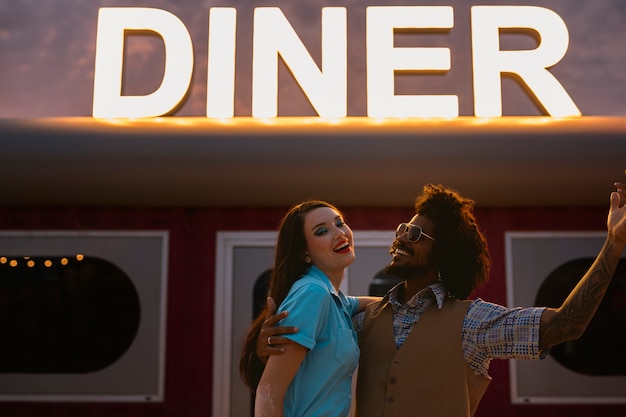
278,374
364,301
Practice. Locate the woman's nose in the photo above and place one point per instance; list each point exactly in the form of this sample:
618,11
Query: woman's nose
339,231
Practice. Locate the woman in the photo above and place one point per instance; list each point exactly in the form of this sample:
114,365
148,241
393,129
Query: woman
314,375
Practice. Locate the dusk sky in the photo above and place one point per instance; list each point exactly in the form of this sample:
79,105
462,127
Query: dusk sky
47,55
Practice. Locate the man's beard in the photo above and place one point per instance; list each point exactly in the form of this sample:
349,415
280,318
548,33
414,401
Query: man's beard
406,271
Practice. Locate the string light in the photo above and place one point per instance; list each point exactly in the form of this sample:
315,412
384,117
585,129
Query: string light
29,262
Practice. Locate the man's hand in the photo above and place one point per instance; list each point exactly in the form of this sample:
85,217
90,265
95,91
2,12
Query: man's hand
270,338
616,221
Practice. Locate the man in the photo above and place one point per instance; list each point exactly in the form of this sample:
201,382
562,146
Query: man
425,348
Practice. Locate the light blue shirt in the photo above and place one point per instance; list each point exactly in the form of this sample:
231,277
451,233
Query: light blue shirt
322,385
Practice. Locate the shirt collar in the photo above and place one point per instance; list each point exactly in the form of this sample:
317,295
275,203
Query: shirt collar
318,275
436,291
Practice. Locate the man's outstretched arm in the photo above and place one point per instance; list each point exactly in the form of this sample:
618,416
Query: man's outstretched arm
570,320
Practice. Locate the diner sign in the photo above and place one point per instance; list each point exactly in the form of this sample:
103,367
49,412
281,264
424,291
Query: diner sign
326,87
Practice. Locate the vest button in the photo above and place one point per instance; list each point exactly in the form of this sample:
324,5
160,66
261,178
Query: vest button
391,400
393,380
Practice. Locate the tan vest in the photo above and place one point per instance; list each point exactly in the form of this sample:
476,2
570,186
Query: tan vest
428,376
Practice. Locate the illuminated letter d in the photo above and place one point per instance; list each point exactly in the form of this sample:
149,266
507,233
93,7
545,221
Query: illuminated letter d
108,101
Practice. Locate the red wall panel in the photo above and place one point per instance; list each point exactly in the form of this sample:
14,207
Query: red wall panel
188,385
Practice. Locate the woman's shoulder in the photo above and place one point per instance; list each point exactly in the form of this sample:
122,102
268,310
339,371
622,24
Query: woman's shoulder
310,287
305,296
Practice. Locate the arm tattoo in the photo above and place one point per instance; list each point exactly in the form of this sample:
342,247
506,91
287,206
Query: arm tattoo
577,310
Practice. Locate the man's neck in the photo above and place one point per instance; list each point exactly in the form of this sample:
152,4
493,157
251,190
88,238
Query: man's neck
415,284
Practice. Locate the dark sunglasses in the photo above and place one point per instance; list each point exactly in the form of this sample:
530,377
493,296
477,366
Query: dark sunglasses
413,232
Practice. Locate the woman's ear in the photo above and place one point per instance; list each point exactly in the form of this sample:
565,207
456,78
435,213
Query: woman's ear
307,258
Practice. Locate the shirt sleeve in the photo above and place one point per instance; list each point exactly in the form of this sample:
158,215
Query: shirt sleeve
352,304
491,331
308,310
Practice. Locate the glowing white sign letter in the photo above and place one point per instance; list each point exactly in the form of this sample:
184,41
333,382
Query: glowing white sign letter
383,60
108,101
221,67
530,65
326,89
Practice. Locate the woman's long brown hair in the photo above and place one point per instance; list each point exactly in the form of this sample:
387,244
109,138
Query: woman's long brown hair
289,266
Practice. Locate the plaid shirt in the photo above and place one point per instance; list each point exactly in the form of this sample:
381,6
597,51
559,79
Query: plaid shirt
490,331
